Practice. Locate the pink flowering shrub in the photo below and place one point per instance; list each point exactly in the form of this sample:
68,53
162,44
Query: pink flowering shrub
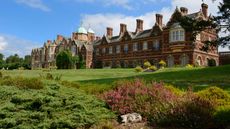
134,96
161,105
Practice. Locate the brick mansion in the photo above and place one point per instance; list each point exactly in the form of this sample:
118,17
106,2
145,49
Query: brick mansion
169,42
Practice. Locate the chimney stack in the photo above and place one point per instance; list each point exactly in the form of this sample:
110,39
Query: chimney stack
139,25
109,32
184,10
49,41
205,9
123,28
159,19
59,37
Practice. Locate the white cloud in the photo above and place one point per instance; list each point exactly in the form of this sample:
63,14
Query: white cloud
100,21
12,45
38,4
3,43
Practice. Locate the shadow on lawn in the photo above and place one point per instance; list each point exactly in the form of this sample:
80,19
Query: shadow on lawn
197,78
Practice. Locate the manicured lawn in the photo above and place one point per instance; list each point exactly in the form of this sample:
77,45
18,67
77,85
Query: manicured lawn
94,80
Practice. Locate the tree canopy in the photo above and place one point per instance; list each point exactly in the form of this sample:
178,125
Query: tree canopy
64,60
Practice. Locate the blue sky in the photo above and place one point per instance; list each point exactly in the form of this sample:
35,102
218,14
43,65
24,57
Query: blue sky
25,24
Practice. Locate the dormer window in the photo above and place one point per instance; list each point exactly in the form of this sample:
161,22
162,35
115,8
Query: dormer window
177,33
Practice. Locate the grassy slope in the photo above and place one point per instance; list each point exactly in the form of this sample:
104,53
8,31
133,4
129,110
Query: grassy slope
180,77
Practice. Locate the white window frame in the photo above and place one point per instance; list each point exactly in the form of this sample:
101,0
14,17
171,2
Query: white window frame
111,50
177,33
118,49
126,48
103,50
145,45
156,45
135,47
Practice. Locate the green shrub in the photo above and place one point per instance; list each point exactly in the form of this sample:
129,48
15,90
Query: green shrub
216,95
191,112
153,68
60,107
49,76
1,75
70,84
175,90
21,82
162,63
147,64
189,66
138,69
222,116
58,77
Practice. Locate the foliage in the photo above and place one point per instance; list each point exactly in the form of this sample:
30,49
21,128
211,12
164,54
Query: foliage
21,82
15,62
162,63
153,68
189,66
151,102
64,60
216,95
138,69
191,112
219,23
55,106
147,64
1,75
221,116
70,84
167,106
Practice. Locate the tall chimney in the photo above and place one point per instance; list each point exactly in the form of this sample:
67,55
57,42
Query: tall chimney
109,32
139,25
59,37
205,9
49,41
159,19
184,10
123,28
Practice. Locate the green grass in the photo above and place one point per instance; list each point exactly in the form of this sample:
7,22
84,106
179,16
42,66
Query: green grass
94,80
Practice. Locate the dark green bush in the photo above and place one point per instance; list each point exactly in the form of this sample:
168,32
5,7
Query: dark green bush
49,76
191,112
1,75
222,116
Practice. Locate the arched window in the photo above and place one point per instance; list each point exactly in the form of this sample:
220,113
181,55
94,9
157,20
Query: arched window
199,61
184,60
177,33
170,61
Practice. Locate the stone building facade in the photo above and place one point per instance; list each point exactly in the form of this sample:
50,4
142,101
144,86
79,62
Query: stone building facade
79,44
169,42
